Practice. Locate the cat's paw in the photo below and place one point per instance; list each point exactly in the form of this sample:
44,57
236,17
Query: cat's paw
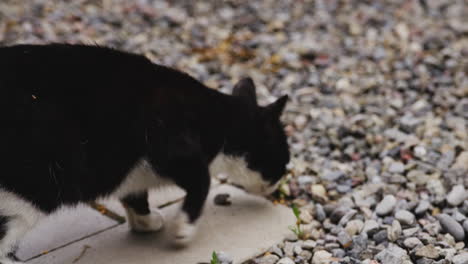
145,223
183,231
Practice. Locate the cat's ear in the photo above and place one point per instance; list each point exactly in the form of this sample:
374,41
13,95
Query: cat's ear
245,88
276,109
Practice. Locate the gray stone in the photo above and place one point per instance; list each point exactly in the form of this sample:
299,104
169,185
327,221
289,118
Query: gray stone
405,217
305,179
380,236
322,257
396,167
465,226
332,175
393,254
460,258
428,251
394,231
306,255
270,259
344,239
320,214
345,219
354,227
309,244
386,206
412,242
224,258
370,227
457,195
459,217
451,226
410,231
422,207
285,261
276,250
338,213
446,160
338,253
464,208
289,249
418,177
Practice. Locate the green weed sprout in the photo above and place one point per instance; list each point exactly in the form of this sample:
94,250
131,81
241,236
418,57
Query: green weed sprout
297,228
214,258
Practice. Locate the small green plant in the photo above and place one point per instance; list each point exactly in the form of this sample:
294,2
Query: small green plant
214,258
297,228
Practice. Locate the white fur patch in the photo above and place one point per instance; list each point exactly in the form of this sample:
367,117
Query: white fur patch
240,174
183,231
22,217
144,223
141,178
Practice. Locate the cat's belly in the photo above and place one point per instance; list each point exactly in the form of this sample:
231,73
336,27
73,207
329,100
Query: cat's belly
141,178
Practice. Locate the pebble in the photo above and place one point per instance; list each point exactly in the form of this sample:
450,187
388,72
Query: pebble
405,217
451,226
460,258
309,244
320,214
270,259
354,227
339,212
428,251
396,167
370,227
224,258
285,261
345,239
347,217
394,231
319,193
422,207
457,195
465,226
386,206
393,254
412,242
338,253
276,250
322,257
289,249
380,236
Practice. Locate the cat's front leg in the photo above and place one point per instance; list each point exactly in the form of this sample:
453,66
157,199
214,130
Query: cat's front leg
191,174
141,218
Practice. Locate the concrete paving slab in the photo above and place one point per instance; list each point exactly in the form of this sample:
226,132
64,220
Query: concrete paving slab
61,228
245,229
73,224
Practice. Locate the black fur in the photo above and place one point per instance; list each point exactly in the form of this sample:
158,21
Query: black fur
3,226
76,119
138,202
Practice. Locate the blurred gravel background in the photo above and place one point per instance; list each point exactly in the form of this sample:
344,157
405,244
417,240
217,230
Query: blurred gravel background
378,121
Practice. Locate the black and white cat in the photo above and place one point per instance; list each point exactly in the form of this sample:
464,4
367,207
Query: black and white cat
80,123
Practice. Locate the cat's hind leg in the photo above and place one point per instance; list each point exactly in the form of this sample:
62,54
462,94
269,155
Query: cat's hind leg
141,218
17,216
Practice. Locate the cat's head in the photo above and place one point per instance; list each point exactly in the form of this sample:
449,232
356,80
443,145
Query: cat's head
256,151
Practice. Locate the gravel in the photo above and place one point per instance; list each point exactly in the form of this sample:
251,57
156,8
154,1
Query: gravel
377,121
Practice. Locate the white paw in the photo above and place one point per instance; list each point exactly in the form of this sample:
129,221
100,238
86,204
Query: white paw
145,223
183,231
